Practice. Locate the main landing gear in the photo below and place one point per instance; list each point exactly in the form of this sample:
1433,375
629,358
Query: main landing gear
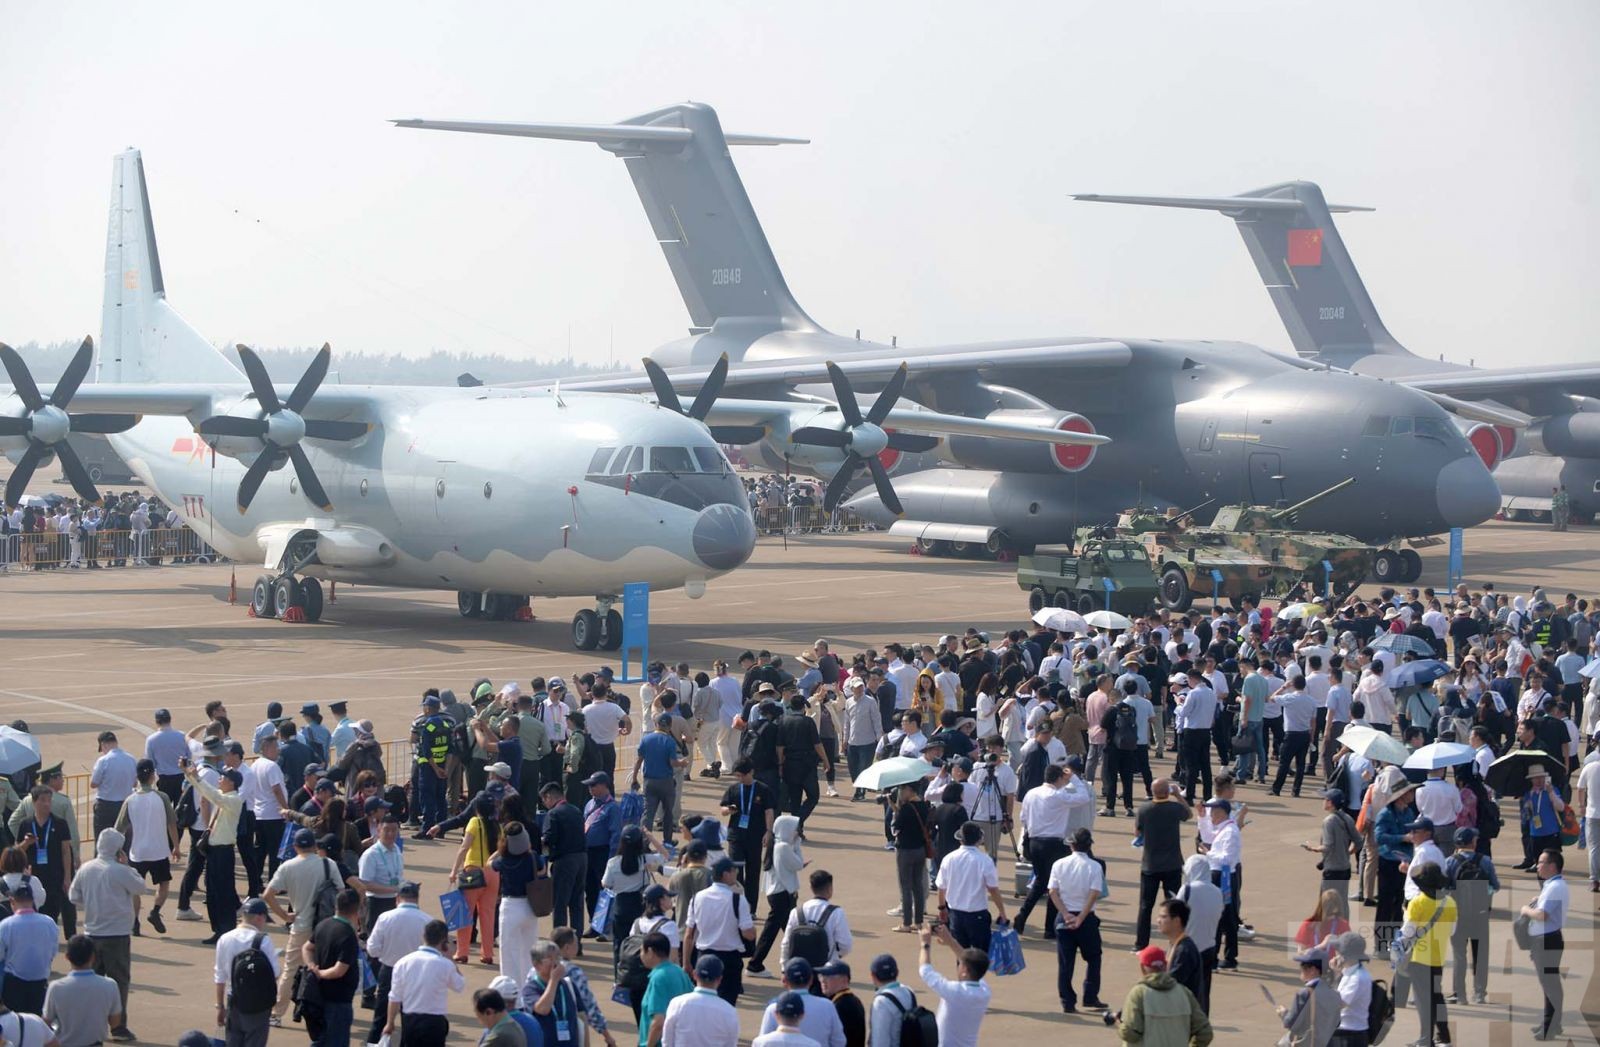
599,629
497,607
288,598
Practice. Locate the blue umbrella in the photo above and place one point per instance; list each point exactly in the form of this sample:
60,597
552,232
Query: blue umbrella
1418,674
1403,643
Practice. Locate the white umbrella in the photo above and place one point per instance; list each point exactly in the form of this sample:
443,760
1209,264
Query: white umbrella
1374,745
897,770
1440,754
1061,619
17,750
1103,619
1590,671
1301,610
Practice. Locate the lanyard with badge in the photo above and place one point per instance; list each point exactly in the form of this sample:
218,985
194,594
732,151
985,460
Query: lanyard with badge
561,1011
41,854
746,801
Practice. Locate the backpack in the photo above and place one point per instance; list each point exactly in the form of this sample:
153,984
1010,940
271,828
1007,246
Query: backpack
395,797
323,905
251,982
1490,820
589,758
918,1026
751,738
187,809
1125,729
1471,868
1380,1012
461,739
810,940
1337,775
631,973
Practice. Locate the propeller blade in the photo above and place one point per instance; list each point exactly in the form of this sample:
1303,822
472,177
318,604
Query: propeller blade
310,486
21,378
738,434
914,443
845,395
260,382
20,476
817,436
666,396
880,477
255,474
15,426
337,430
232,425
103,423
77,475
886,399
72,377
841,479
710,390
310,380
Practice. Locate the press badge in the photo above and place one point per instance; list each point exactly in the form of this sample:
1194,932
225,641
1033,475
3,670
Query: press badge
563,1031
41,856
744,820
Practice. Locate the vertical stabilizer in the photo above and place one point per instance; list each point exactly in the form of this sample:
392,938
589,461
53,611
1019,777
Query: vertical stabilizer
1288,229
142,338
702,218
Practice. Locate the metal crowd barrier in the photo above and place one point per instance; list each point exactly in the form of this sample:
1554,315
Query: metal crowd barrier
157,546
807,519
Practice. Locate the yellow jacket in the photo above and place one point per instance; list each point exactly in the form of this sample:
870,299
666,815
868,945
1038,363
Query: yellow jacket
1430,948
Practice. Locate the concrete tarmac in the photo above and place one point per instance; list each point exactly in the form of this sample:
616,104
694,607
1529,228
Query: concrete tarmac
82,651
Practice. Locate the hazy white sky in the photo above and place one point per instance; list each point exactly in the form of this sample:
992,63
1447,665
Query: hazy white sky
933,203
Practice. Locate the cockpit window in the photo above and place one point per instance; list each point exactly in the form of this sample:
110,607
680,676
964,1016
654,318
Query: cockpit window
597,464
710,459
671,460
1377,425
1434,427
1400,427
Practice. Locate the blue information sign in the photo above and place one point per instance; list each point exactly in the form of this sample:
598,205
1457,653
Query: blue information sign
635,628
1457,542
1110,588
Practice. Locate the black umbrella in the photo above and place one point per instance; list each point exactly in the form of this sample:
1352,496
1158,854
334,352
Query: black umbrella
1508,776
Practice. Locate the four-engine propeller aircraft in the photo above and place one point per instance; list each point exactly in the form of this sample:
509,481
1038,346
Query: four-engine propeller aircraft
1190,420
495,493
1290,233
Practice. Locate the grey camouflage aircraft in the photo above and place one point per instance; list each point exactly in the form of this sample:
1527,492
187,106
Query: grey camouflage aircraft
1290,233
1189,420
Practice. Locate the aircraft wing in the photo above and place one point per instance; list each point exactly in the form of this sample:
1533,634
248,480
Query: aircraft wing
199,400
764,413
869,366
1505,383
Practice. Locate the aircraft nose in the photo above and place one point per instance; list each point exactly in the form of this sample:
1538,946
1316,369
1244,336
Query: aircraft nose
1466,493
724,536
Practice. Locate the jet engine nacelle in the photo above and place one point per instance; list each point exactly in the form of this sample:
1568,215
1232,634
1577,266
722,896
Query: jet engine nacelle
1484,438
1568,435
1024,455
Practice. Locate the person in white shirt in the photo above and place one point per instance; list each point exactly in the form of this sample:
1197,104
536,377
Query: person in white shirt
820,911
702,1018
606,722
1349,961
719,923
151,829
1224,854
948,684
657,916
1373,693
267,798
904,676
964,1000
968,881
914,741
996,783
396,935
243,1030
1586,799
420,986
732,698
1547,919
1046,817
1423,852
1440,802
1076,882
113,779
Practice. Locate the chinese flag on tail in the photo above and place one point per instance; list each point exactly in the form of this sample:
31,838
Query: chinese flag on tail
1305,247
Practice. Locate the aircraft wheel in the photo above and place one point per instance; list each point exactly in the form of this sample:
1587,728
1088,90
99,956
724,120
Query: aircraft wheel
468,604
961,549
1063,599
1037,598
1174,590
261,598
1541,516
1085,603
285,594
995,545
1411,565
311,594
610,631
1386,567
585,630
931,547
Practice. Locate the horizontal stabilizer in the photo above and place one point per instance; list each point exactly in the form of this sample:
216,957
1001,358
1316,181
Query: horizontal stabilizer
1225,204
601,134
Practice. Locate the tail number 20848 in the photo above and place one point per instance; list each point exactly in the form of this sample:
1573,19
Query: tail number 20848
724,276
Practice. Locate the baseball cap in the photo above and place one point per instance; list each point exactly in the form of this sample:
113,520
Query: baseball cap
790,1004
834,969
799,971
723,867
325,784
1312,956
498,770
884,967
1336,795
374,803
315,768
1424,824
309,708
305,839
255,907
598,778
1153,956
330,843
430,702
1465,835
655,892
766,688
708,967
233,776
1222,805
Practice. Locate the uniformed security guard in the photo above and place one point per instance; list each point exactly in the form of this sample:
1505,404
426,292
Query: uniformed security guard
433,756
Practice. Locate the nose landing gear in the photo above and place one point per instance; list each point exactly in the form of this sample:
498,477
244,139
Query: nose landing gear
599,629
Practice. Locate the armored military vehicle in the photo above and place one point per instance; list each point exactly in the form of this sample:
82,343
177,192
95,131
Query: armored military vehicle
1192,561
1271,533
1078,581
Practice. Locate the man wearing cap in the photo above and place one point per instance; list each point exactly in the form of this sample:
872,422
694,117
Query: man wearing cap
114,776
343,733
658,759
314,733
419,988
222,833
27,950
1473,881
818,1018
1423,852
267,728
702,1018
891,1002
301,877
147,822
242,1029
788,1010
433,757
167,746
1157,1010
1312,1017
834,979
719,923
602,831
395,935
109,892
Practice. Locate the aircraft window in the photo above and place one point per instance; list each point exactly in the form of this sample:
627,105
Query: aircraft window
1377,425
597,464
710,459
619,463
671,460
635,461
1433,427
1400,426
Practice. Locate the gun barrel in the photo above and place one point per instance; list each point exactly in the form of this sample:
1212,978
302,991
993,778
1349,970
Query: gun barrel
1280,514
1191,512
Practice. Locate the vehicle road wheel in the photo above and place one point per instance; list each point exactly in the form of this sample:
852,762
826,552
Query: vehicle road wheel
311,596
931,546
468,604
1037,598
610,631
1386,567
1085,603
285,594
1175,595
585,630
261,598
1063,599
1410,565
1517,515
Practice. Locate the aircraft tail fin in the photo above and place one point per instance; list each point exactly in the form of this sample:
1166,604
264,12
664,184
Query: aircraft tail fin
142,338
702,218
1289,231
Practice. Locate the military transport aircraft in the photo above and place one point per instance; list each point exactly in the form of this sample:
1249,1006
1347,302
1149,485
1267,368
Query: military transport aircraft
494,493
1190,421
1290,233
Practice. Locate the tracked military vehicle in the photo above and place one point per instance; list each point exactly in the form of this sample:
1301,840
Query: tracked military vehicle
1192,561
1078,581
1271,534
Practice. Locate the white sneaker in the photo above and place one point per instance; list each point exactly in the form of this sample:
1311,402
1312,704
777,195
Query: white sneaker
892,912
189,916
832,791
1247,932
